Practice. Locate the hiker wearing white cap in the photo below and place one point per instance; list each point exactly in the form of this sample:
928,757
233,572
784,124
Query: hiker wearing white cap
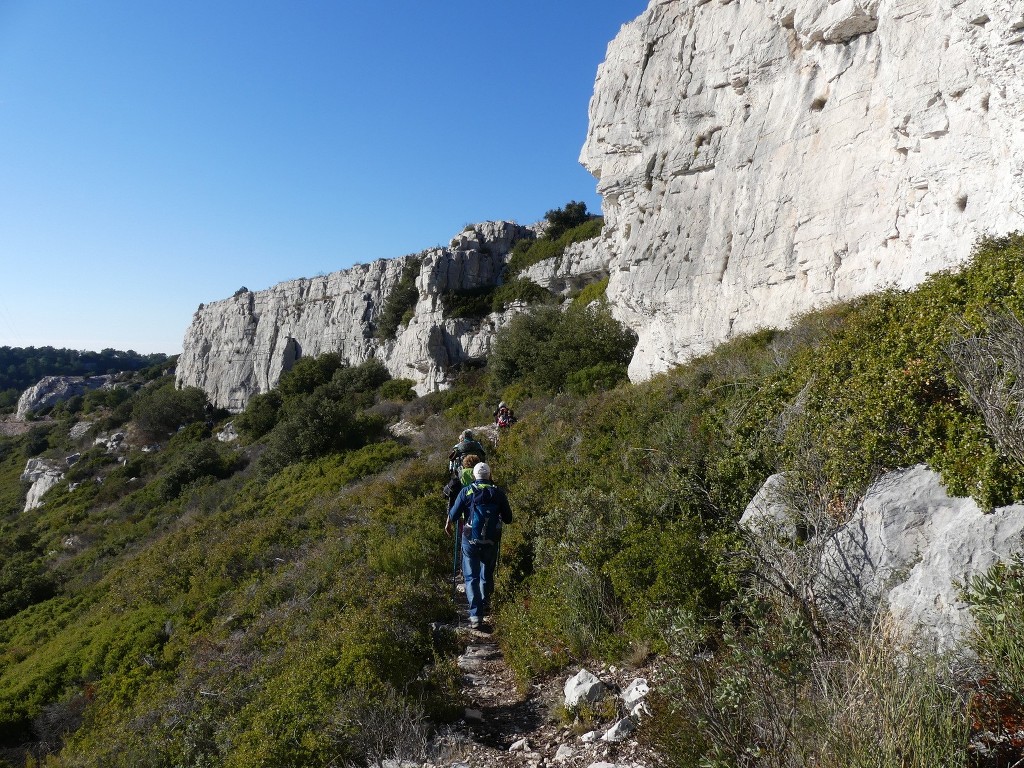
485,509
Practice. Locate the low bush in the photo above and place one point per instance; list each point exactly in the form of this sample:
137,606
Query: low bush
398,389
591,293
160,410
543,348
526,253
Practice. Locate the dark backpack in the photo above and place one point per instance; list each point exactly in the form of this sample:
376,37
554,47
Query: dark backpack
460,451
484,523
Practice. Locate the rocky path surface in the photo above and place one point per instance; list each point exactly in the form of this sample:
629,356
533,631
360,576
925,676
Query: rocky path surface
505,727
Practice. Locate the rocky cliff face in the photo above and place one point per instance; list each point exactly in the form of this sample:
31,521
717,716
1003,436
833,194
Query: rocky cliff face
760,158
51,390
238,347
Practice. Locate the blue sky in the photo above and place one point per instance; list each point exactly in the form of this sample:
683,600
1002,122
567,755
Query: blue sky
158,154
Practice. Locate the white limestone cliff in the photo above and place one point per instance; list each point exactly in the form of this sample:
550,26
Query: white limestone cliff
239,347
759,158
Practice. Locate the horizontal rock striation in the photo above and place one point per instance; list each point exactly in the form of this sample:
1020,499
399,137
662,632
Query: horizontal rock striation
758,159
240,346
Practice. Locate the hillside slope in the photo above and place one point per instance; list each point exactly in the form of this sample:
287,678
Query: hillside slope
283,602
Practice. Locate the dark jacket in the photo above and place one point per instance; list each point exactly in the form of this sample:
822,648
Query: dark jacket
466,447
461,508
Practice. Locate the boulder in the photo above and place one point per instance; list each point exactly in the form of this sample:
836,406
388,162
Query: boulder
907,548
620,731
228,434
635,691
582,686
80,430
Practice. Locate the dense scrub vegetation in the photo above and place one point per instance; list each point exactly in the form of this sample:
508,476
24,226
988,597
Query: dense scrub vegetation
21,367
565,226
264,604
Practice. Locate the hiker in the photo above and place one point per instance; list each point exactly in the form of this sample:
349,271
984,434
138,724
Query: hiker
467,444
503,416
460,479
484,508
466,473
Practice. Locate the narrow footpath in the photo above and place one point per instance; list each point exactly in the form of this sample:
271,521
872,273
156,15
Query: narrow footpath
504,727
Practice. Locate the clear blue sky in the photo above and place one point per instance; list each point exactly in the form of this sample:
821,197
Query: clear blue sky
157,154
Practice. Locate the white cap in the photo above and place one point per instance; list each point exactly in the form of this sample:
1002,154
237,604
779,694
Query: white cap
481,472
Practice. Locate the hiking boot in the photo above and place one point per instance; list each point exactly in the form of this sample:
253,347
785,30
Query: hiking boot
474,622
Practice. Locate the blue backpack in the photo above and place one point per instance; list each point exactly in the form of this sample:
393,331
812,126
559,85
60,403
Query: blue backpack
484,523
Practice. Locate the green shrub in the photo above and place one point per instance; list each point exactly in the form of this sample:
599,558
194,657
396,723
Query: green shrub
526,253
478,302
469,302
591,293
400,303
198,461
398,389
307,374
160,410
260,415
543,348
561,220
996,598
23,581
521,291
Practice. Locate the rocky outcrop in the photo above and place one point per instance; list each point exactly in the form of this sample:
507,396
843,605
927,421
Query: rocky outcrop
55,389
908,547
41,475
758,159
580,264
238,347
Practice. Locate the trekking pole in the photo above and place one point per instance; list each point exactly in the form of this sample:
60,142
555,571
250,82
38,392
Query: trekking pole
455,575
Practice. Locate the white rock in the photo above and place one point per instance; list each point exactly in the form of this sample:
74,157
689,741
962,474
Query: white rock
590,737
239,347
640,710
564,753
522,745
51,390
635,691
620,731
228,434
42,475
79,430
583,686
759,159
404,428
908,546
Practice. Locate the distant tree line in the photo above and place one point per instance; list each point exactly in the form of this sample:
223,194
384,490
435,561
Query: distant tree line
21,367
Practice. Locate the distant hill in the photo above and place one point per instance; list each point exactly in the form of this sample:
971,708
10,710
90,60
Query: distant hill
21,367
